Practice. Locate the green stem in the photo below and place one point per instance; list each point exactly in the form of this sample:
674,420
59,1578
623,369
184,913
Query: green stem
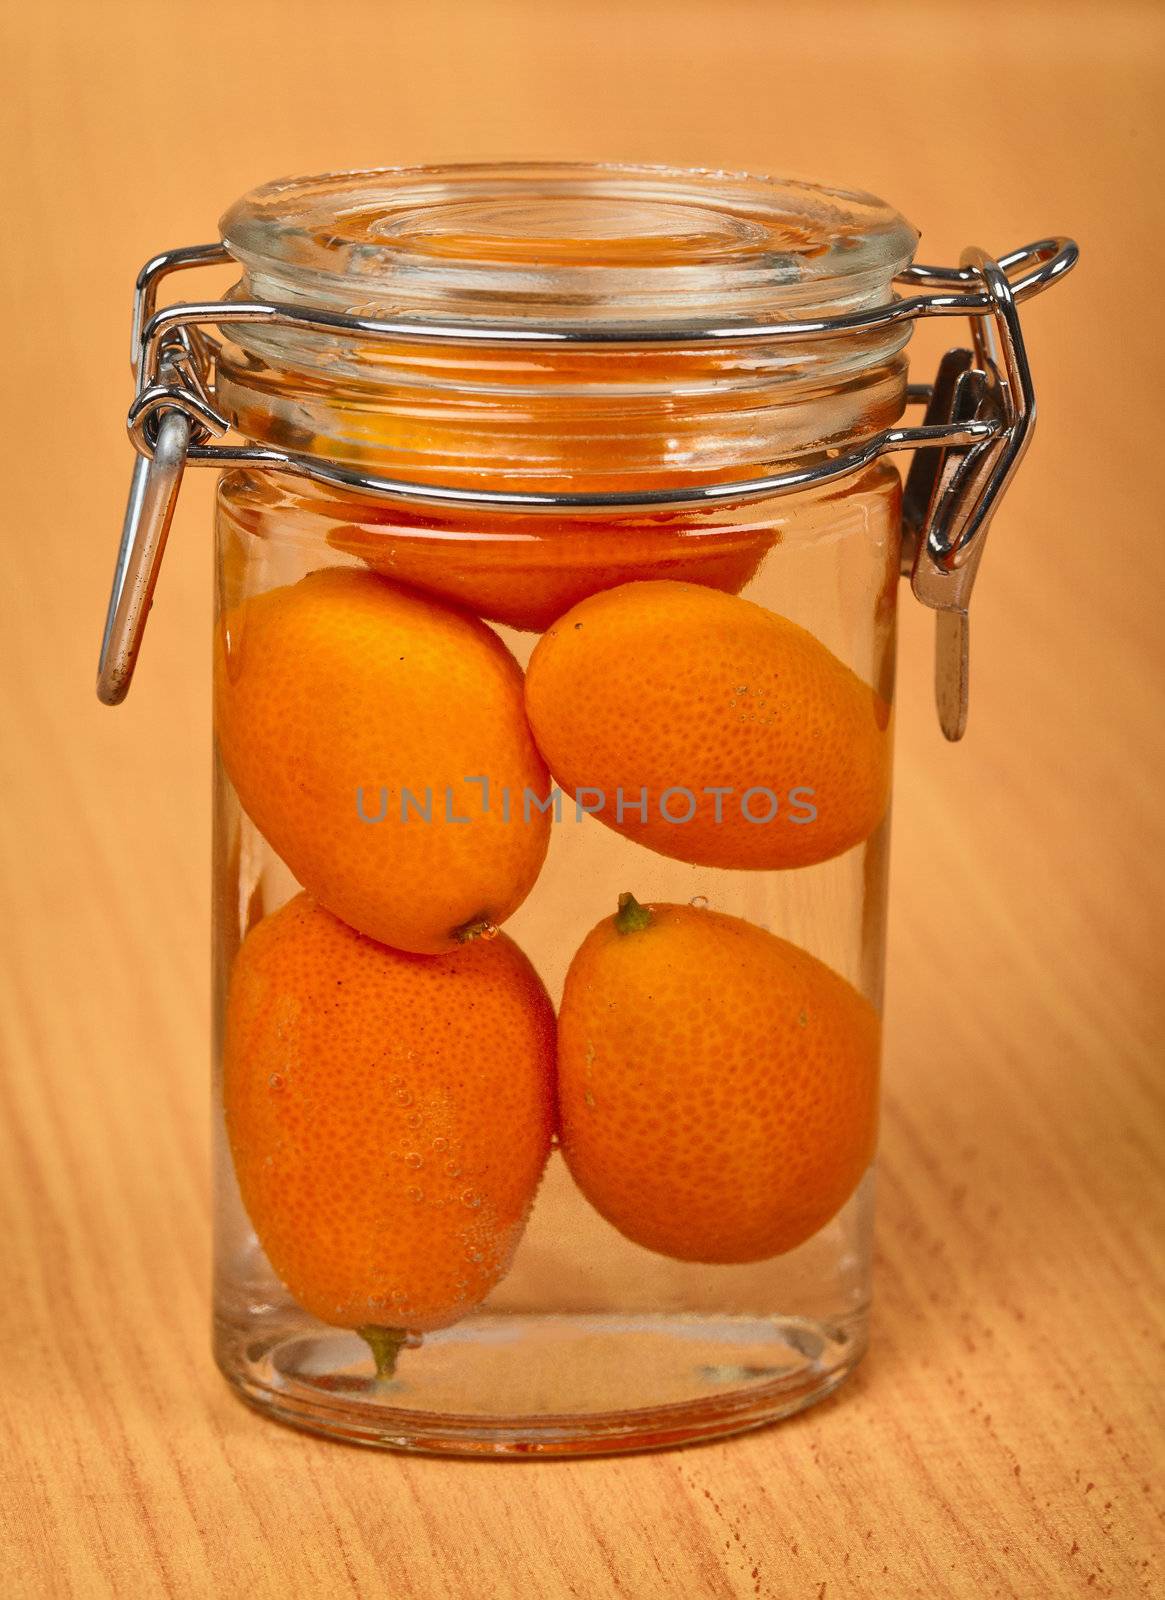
385,1344
479,928
631,916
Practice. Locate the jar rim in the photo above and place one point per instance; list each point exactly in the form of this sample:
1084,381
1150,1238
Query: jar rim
531,242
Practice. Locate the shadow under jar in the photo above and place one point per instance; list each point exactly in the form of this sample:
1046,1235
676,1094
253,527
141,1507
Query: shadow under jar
551,842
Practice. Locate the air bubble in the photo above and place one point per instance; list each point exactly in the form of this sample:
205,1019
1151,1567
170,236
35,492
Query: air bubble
699,901
452,1169
414,1119
470,1198
414,1160
440,1144
416,1195
403,1097
276,1080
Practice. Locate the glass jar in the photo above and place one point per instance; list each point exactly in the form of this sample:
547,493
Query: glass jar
553,755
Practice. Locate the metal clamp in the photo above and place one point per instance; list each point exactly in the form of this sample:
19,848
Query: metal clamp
979,416
153,492
951,495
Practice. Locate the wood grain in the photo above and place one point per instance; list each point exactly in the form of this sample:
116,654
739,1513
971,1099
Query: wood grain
1004,1436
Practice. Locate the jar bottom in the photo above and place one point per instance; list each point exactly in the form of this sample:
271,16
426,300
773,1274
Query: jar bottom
523,1384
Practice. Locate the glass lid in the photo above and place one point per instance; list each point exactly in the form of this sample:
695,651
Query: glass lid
523,242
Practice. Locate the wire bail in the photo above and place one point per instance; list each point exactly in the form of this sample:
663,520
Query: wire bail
978,421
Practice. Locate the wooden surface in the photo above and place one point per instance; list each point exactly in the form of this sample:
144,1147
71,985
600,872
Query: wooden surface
1003,1436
